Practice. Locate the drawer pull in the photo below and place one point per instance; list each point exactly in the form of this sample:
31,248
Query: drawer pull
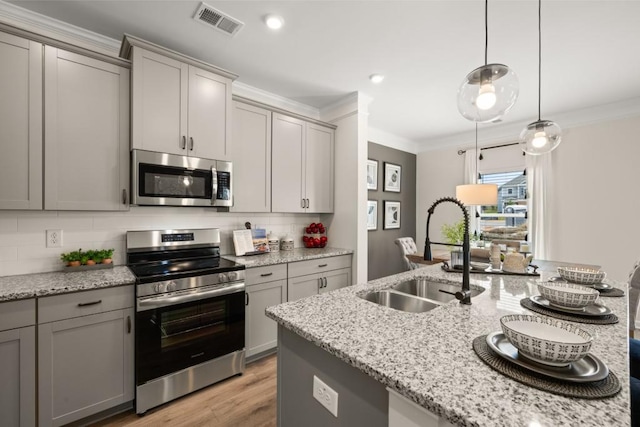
323,265
266,274
128,324
86,304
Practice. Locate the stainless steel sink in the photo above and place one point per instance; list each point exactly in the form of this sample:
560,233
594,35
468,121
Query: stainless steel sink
438,292
400,301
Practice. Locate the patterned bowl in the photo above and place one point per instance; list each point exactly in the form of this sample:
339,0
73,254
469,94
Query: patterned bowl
545,340
583,276
567,295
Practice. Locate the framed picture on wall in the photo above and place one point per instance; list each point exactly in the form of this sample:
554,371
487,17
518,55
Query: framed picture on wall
372,174
392,175
391,215
372,215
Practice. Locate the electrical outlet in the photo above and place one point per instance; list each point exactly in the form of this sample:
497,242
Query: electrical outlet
327,396
54,238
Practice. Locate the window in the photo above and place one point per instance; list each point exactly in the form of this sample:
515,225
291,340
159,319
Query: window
508,220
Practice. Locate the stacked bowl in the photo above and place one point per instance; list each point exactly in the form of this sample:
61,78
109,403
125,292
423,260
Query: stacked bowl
582,276
568,295
545,340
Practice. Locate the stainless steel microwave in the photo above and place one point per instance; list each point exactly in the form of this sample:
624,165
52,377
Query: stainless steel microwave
159,179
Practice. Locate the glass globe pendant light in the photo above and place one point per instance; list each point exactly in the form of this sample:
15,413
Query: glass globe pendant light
489,91
541,136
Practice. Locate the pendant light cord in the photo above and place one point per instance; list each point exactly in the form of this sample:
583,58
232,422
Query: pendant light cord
539,56
486,30
477,155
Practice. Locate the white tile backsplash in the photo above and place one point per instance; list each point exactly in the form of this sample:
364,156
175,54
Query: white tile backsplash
23,233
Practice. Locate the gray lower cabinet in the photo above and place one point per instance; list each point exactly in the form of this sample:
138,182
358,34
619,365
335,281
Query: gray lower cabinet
266,286
318,276
18,363
85,354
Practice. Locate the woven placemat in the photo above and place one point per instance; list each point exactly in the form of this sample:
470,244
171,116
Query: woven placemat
613,292
607,387
608,319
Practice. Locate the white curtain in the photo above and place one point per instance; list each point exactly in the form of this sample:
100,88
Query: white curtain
471,177
540,187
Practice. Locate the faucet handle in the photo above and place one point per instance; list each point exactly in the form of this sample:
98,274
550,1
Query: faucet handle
464,297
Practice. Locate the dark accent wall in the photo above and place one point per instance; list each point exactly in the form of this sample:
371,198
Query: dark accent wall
384,256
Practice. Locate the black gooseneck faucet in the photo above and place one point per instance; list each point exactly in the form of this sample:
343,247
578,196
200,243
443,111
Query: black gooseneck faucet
465,294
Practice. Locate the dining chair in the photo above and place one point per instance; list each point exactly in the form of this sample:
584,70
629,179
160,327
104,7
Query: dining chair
407,247
634,298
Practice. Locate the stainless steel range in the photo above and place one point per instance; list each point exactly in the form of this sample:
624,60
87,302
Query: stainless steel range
190,315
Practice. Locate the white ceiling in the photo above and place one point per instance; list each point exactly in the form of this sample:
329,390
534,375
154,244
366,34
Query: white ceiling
327,49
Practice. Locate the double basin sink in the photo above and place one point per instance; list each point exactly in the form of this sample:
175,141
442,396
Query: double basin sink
417,296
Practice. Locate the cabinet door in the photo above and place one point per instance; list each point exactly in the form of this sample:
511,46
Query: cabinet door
287,172
336,279
303,286
159,99
251,158
86,133
85,366
209,115
319,168
18,377
261,332
20,123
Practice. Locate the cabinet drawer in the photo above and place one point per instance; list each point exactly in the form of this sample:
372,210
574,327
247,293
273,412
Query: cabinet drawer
268,273
16,314
319,265
77,304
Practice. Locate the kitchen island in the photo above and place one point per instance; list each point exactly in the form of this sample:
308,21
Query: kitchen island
428,359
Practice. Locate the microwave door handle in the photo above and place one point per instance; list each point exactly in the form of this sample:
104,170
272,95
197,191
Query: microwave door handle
214,185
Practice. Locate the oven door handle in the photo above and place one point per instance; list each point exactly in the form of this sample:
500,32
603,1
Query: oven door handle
165,301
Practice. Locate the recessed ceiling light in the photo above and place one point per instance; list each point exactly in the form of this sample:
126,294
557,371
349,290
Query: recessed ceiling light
376,78
274,22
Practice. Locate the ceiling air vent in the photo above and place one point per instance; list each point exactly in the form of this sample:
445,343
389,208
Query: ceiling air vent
218,20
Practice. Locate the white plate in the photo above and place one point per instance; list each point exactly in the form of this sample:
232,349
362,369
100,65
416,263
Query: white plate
587,369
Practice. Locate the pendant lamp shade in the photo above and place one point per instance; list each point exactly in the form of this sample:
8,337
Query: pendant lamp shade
477,194
488,93
541,136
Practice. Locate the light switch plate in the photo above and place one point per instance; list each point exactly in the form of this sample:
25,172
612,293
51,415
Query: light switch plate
327,396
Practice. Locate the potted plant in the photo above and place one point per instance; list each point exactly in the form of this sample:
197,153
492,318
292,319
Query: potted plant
106,255
90,257
72,258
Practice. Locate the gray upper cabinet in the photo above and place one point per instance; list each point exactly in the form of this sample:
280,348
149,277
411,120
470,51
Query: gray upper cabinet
179,105
20,123
86,133
251,158
302,166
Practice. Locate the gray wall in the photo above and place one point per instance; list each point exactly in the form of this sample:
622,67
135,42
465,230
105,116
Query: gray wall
384,256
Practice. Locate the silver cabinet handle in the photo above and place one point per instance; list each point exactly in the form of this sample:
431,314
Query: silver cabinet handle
266,274
124,196
322,265
302,203
307,203
128,324
325,281
190,143
86,304
184,142
246,302
319,282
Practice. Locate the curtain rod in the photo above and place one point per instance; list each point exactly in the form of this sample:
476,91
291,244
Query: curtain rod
461,152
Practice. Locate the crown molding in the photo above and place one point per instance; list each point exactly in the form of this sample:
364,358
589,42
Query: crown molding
349,105
36,23
510,132
250,92
390,140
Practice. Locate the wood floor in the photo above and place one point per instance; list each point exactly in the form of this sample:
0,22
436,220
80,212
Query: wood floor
244,401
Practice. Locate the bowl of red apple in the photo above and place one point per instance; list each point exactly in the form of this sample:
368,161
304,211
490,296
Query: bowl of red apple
315,236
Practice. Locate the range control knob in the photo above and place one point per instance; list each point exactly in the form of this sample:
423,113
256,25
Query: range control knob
232,276
171,286
222,277
156,288
162,287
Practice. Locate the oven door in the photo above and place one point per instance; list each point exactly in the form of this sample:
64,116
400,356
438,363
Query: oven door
186,329
167,179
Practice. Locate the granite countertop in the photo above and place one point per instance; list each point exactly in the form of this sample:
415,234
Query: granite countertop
428,357
281,257
45,284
